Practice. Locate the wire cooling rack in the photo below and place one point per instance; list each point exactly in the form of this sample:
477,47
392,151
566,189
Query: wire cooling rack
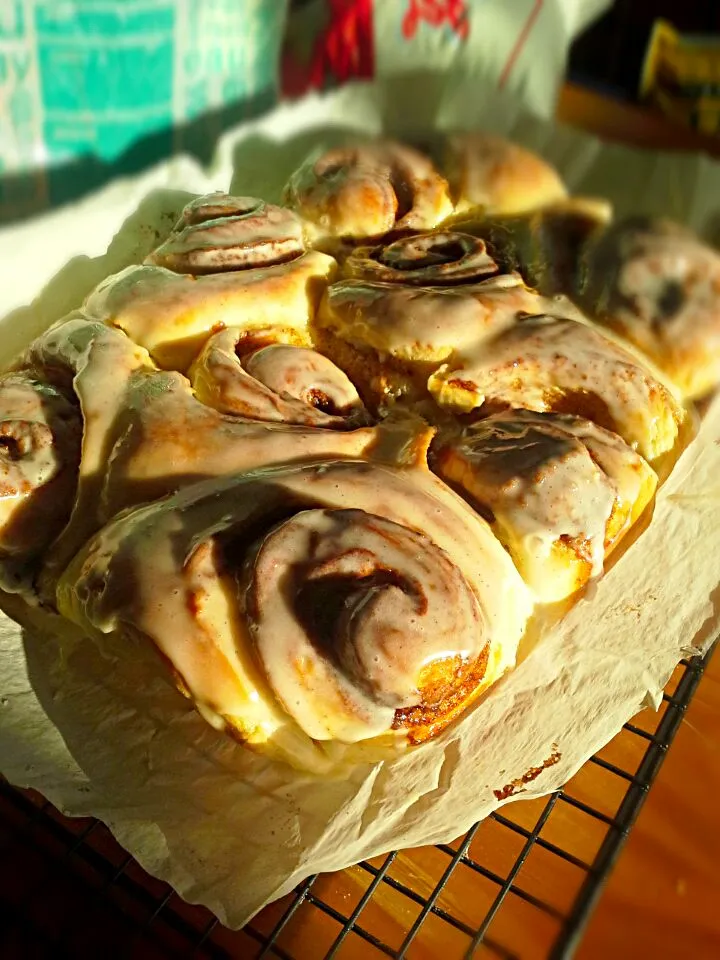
521,884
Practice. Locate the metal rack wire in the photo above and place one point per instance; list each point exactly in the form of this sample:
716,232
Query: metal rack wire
67,889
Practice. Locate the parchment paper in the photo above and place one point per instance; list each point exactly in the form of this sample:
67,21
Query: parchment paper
226,828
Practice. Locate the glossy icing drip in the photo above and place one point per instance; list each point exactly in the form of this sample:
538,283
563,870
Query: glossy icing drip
168,439
659,285
546,246
97,364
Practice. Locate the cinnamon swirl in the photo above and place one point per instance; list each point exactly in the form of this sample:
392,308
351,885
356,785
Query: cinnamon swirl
94,365
306,608
166,439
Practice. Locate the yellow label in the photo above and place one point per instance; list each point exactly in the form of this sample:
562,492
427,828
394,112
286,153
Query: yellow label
681,76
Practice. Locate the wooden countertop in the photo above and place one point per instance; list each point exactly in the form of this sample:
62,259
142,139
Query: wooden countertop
662,898
626,123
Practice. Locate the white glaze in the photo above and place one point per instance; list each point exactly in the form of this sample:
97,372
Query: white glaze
139,572
547,477
98,363
425,323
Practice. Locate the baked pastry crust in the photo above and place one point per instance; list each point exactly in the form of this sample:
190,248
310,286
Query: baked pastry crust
365,191
547,246
500,177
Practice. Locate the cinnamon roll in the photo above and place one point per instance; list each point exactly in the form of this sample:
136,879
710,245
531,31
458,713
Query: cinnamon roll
244,266
311,608
219,232
498,176
546,363
658,285
559,492
40,434
367,191
438,293
275,382
189,464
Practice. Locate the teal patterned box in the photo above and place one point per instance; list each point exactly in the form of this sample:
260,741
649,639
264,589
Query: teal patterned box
92,89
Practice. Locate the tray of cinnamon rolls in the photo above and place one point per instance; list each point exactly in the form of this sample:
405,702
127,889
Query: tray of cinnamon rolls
329,459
